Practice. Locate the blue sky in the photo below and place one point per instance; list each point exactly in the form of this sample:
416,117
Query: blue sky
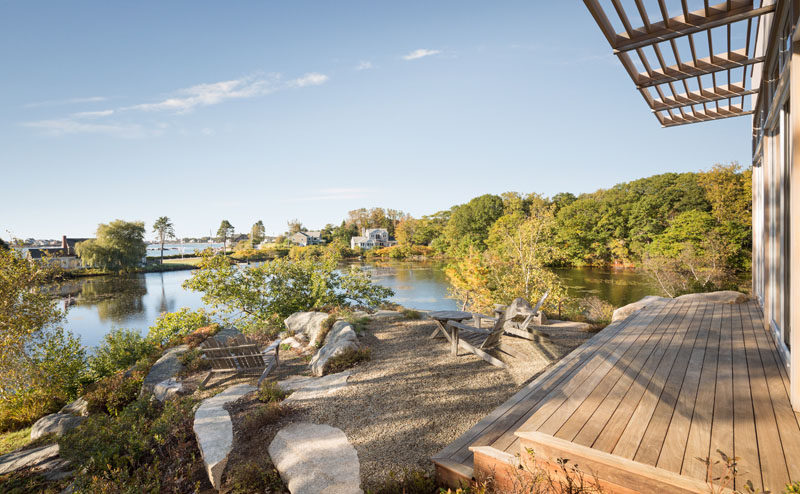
277,110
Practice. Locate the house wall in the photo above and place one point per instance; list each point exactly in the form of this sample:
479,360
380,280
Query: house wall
776,183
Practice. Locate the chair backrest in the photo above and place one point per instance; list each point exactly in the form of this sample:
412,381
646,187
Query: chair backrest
236,353
541,302
497,331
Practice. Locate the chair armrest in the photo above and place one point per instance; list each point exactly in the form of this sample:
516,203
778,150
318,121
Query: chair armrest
273,347
464,327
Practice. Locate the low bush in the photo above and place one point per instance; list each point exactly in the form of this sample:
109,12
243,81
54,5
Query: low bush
262,416
359,322
112,393
258,475
147,447
270,392
411,314
172,325
347,359
120,349
327,325
406,482
199,335
193,362
26,481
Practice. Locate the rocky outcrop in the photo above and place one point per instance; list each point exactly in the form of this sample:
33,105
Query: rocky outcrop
721,297
224,334
311,388
340,338
315,459
167,389
627,310
308,324
387,315
214,430
40,458
79,407
168,366
55,423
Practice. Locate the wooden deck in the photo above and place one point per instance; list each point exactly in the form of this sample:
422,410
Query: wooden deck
638,404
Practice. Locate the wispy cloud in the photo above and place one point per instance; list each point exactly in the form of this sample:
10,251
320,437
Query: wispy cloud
334,194
183,101
68,101
364,65
422,52
310,79
93,114
66,126
210,94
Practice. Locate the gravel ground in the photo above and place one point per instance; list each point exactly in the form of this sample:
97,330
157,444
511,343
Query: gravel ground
413,398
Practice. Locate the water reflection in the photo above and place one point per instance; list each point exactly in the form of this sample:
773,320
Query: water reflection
97,304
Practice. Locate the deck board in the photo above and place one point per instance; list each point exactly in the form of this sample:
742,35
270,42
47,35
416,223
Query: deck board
672,383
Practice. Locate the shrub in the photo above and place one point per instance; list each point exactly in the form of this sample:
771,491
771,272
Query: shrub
26,481
172,325
199,335
120,349
193,362
327,325
406,482
46,378
270,392
148,447
254,476
112,393
348,358
262,416
411,314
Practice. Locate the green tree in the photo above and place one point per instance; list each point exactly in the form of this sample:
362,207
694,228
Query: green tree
469,223
276,289
3,244
224,231
119,246
257,233
164,228
41,364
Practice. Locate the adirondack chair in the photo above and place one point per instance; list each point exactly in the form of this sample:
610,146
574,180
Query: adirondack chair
477,340
521,328
239,355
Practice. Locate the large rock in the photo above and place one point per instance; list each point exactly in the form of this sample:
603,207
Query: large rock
214,430
721,297
168,366
79,407
36,458
167,389
55,423
309,324
340,338
224,334
627,310
316,459
312,388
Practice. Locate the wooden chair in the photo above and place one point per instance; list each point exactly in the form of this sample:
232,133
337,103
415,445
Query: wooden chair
477,340
522,328
239,355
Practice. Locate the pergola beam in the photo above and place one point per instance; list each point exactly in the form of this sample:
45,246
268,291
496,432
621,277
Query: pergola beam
681,25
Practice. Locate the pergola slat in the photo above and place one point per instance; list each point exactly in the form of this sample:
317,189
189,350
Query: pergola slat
702,96
696,22
703,66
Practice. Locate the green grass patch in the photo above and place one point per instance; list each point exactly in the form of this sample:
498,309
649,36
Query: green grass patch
411,314
270,392
11,441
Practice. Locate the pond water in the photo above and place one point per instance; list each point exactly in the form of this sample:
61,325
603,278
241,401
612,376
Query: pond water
96,304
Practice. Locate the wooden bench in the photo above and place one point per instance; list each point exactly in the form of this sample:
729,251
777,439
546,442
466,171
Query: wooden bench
239,355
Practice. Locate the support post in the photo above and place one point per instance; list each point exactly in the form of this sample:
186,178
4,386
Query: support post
794,226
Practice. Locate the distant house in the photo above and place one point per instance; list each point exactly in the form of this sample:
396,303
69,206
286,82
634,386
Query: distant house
304,239
64,256
266,242
372,238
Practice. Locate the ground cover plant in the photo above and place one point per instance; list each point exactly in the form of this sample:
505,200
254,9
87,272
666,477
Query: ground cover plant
347,359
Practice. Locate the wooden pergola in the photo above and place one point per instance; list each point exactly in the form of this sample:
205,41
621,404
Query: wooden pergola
690,67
